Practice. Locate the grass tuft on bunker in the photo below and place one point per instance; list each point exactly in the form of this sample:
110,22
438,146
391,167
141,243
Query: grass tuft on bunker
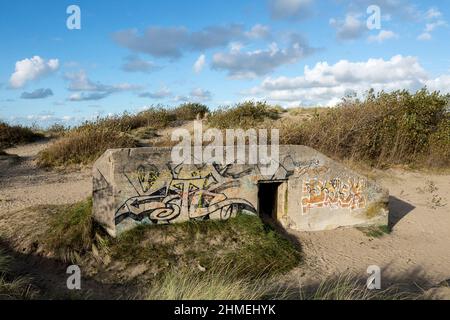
245,242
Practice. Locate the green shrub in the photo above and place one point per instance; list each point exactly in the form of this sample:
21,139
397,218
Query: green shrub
243,115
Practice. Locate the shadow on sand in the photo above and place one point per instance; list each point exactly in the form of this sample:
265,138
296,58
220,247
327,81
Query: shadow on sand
398,209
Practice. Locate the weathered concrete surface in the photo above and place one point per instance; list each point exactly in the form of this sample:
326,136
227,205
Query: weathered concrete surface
312,192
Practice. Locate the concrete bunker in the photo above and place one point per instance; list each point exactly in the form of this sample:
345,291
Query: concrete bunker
308,192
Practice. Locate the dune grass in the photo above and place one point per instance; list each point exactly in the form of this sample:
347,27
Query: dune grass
71,232
227,284
383,129
84,145
242,241
215,284
87,142
244,115
12,287
15,135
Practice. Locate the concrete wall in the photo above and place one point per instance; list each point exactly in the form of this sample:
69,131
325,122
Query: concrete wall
142,186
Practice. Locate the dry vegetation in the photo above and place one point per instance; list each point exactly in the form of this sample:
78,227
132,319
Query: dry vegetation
381,130
384,129
85,143
14,135
12,287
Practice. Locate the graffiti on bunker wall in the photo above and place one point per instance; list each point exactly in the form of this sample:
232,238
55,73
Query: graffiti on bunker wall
333,193
181,192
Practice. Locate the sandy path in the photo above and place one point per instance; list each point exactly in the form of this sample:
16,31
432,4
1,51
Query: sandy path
418,248
24,185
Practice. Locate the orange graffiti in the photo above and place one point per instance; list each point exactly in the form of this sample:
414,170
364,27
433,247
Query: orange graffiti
333,194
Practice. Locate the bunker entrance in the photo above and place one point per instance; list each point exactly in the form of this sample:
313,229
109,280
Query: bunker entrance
268,199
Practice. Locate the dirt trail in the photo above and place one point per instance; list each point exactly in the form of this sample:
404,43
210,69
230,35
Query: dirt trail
418,247
24,184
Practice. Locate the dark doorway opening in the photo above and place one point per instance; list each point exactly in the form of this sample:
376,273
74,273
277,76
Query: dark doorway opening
268,199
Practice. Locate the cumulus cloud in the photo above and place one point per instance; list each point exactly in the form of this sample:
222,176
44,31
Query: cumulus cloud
290,9
382,36
172,42
134,63
199,64
325,84
37,94
241,64
162,93
352,27
32,69
87,90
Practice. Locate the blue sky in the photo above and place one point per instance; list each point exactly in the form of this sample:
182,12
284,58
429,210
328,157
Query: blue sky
133,54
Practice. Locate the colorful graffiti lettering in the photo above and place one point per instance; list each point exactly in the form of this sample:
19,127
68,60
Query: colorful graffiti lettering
333,194
181,192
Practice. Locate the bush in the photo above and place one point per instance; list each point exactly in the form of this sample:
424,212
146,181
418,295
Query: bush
243,115
155,117
189,111
383,129
13,135
85,144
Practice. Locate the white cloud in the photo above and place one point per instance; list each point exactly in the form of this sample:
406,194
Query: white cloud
32,69
250,64
382,36
199,64
352,27
86,90
434,18
325,84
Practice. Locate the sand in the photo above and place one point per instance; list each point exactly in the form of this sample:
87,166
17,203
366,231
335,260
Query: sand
418,249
